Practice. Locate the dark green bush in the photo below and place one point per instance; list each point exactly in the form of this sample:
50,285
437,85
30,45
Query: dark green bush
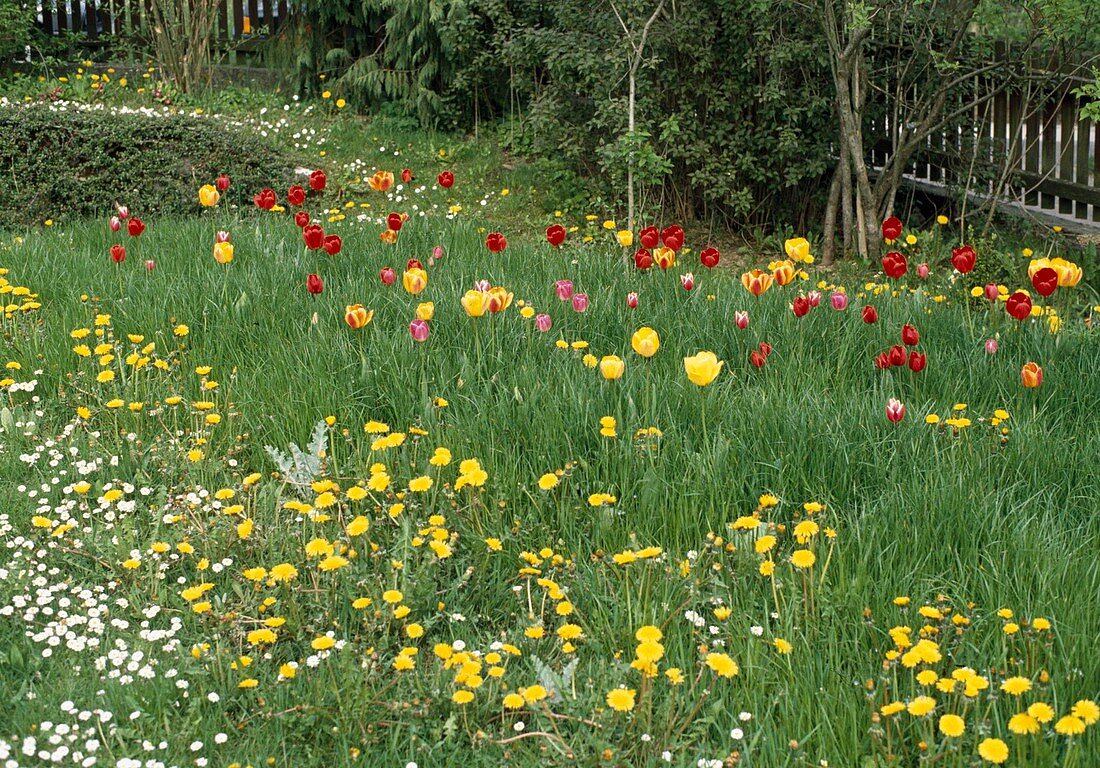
72,164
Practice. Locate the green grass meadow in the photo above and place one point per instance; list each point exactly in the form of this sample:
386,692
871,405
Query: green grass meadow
966,521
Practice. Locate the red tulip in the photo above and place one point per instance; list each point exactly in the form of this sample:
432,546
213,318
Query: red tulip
265,199
757,359
301,218
222,183
895,410
894,264
318,181
314,236
1018,305
314,284
388,276
135,226
1045,281
496,242
897,355
709,257
406,175
917,361
413,264
882,361
118,254
909,336
891,228
296,195
333,244
419,330
765,348
673,237
555,234
643,259
801,306
964,258
649,237
870,315
446,179
632,300
688,281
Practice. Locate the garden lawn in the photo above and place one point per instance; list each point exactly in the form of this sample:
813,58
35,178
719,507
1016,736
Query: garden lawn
492,539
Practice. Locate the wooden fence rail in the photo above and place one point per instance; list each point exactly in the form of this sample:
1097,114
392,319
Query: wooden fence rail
97,18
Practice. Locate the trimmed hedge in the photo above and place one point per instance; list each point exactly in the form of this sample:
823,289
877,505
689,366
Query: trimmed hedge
70,163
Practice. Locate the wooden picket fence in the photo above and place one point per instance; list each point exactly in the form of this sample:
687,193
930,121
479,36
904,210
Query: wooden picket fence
237,19
1051,155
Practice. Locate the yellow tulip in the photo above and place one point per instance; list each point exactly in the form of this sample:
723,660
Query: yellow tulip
625,238
475,303
358,317
223,252
415,280
784,272
612,367
645,342
703,368
756,282
209,195
425,310
1069,274
798,249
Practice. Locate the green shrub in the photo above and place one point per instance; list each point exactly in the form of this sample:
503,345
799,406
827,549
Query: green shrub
69,164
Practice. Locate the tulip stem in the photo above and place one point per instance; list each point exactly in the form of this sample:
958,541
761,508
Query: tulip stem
703,411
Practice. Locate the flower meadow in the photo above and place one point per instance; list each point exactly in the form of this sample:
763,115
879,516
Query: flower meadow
356,473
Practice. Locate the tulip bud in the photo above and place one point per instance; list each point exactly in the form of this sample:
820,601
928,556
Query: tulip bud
419,330
741,319
814,297
991,291
425,310
801,306
765,348
870,315
688,281
757,359
580,302
922,271
406,175
123,212
917,361
543,323
1031,375
221,237
116,223
314,284
895,410
632,300
838,300
118,254
301,218
389,277
909,336
611,367
222,183
437,252
564,289
150,265
991,346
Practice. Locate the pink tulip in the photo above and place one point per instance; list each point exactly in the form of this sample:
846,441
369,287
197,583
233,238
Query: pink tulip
123,212
580,302
482,286
838,300
895,410
437,252
991,346
991,291
543,323
419,330
632,300
150,265
741,319
922,271
688,281
116,223
221,237
814,297
387,275
564,289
